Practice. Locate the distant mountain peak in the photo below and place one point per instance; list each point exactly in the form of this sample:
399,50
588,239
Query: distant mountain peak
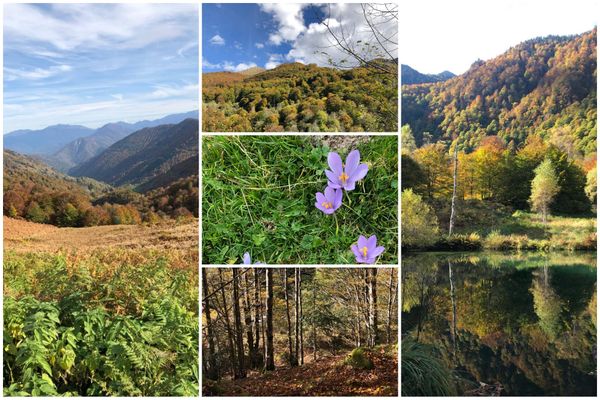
251,71
411,76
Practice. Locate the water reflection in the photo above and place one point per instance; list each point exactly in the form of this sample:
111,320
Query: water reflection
526,323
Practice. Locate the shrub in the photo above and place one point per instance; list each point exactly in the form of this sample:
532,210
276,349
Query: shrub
358,359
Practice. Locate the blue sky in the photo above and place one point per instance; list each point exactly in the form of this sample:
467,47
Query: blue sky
239,36
461,31
91,64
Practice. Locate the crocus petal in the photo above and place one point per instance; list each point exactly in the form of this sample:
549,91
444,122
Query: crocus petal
359,173
352,161
335,163
337,201
356,251
371,243
329,194
333,177
362,242
376,252
321,198
350,185
247,258
370,260
333,185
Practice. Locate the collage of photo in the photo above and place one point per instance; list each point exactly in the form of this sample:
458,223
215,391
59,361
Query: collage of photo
241,199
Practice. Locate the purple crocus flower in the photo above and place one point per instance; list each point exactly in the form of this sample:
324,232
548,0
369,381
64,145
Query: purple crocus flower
330,201
344,176
366,250
247,260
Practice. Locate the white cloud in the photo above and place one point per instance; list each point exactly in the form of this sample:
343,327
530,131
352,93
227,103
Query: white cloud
68,27
208,64
237,45
217,40
316,44
164,92
228,66
12,74
274,61
188,46
117,96
259,45
289,19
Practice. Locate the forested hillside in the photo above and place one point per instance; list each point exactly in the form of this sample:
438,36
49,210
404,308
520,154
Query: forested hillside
297,97
304,331
544,86
161,154
517,132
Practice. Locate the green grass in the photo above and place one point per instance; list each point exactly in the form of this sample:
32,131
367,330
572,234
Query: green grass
423,374
259,195
489,226
110,323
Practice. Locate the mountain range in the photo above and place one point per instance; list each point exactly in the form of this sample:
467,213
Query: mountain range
411,76
65,146
544,86
148,158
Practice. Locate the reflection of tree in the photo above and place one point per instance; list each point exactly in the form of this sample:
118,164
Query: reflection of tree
418,284
547,304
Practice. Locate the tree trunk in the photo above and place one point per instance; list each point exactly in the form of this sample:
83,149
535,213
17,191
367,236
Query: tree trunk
374,339
314,324
453,205
248,323
212,371
270,361
296,315
257,324
232,357
239,337
390,307
301,317
292,358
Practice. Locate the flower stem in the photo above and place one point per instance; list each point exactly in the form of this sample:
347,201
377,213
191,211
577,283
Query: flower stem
337,227
348,197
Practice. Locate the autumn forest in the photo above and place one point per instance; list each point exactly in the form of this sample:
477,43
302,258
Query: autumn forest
299,331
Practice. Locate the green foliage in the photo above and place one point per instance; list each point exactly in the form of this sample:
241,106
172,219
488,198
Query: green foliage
419,223
544,187
259,195
305,98
358,359
84,329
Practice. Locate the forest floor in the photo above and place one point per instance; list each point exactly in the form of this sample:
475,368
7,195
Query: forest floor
327,376
25,236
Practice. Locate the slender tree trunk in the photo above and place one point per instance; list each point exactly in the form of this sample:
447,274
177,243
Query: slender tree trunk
212,370
390,307
367,307
453,206
248,323
301,317
257,324
314,323
296,316
239,336
270,361
374,339
292,358
232,357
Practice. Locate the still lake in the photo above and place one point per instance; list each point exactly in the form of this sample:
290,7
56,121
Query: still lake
525,321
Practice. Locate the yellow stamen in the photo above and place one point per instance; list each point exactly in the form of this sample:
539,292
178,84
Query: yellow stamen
344,177
364,251
327,205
